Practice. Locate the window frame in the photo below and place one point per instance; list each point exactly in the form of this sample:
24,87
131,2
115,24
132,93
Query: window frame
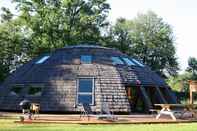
92,94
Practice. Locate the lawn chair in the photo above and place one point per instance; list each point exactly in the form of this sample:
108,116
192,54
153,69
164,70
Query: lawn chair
35,109
87,111
106,113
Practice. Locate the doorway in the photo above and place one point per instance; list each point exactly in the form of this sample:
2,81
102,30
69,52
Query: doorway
135,99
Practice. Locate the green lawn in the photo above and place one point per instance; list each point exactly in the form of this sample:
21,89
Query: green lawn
9,125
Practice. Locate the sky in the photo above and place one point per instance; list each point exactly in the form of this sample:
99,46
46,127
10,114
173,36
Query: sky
180,14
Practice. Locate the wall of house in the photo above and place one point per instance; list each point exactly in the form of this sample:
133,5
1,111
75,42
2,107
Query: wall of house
60,89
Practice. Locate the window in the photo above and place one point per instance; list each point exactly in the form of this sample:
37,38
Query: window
86,59
128,61
35,91
42,60
16,89
86,90
137,62
117,61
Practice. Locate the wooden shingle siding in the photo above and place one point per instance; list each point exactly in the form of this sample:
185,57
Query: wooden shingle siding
59,75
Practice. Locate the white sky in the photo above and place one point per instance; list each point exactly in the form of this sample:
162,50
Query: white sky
180,14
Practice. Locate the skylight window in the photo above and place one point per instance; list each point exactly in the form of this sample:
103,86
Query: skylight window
128,61
86,59
42,60
137,62
117,61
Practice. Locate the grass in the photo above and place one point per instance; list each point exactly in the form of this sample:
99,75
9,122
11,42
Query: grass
9,125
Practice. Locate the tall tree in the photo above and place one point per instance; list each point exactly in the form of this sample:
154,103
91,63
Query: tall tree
120,34
13,46
56,23
192,67
149,38
180,81
44,25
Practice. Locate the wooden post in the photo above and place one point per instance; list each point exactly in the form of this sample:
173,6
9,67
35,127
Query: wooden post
192,88
190,96
146,99
129,93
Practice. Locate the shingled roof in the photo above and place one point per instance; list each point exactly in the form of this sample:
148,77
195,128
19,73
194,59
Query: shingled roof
58,72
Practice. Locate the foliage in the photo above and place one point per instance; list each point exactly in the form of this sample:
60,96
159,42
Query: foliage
57,23
13,44
120,35
6,15
149,38
180,82
44,25
192,67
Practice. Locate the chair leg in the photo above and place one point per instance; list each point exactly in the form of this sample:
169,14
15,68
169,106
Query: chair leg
88,117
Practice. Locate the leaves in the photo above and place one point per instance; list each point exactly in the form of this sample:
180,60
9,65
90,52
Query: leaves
45,25
149,38
6,15
192,67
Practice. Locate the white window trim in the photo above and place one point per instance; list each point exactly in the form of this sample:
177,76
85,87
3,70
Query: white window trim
86,93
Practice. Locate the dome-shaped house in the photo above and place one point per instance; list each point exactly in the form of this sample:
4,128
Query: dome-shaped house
67,77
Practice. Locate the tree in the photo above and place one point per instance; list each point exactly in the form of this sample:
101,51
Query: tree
150,39
13,44
56,23
44,25
192,67
180,81
120,35
6,15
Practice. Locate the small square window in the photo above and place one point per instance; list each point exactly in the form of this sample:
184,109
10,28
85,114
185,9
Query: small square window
86,59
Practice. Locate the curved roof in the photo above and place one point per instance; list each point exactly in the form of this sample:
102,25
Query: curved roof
65,63
53,79
86,46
